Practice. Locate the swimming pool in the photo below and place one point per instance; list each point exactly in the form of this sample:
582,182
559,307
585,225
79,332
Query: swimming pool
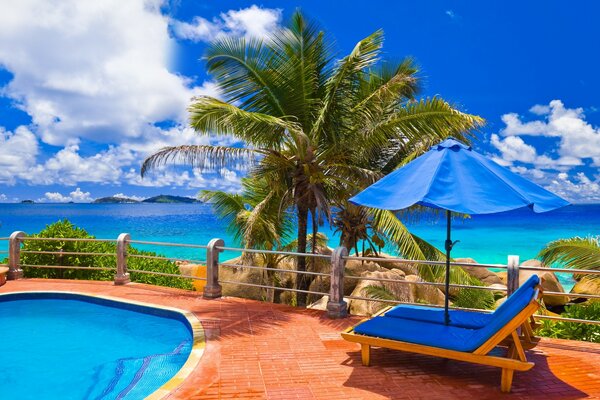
74,346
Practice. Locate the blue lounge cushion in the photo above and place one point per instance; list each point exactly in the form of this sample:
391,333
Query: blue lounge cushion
447,336
418,332
460,318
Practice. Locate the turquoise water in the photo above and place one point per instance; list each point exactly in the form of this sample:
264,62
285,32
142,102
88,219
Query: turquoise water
69,348
486,238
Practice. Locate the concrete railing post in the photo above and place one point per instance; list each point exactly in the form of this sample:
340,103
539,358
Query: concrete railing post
213,290
512,275
336,306
14,256
122,276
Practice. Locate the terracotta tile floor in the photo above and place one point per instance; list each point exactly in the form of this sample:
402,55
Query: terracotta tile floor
263,351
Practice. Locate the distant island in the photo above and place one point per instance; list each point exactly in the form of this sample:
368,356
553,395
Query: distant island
163,198
115,200
27,202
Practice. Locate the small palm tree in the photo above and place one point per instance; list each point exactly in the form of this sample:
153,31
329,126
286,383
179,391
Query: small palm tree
317,129
576,252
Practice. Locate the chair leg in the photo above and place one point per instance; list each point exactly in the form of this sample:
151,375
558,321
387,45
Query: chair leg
365,352
506,381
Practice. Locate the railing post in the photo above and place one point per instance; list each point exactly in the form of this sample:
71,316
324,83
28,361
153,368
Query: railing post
336,306
122,276
512,275
14,256
212,290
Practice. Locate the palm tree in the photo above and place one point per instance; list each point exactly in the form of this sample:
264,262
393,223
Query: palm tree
576,252
315,128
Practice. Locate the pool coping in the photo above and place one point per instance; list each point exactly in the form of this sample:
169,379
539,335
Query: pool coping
198,337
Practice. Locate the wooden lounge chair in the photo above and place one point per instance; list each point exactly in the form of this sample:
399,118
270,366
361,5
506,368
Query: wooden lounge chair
469,318
454,342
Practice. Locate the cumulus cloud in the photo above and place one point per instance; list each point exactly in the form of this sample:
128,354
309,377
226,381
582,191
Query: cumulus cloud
572,147
578,138
225,179
77,196
249,22
3,198
68,167
578,188
93,70
128,196
18,153
99,72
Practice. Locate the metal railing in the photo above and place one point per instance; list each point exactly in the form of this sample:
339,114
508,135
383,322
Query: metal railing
336,304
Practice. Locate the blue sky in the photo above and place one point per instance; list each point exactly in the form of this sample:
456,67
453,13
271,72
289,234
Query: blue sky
89,89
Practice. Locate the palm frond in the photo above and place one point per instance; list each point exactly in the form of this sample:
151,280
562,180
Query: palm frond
365,54
379,293
210,115
243,74
576,252
200,156
412,129
228,207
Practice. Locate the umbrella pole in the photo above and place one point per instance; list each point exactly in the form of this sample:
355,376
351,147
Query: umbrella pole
448,246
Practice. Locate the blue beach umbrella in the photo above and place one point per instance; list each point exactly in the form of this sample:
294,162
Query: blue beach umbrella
453,177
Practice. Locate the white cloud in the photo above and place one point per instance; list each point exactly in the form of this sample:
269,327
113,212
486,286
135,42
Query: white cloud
578,138
68,167
3,197
96,69
99,72
225,179
128,196
579,188
18,152
54,197
249,22
514,149
572,146
77,196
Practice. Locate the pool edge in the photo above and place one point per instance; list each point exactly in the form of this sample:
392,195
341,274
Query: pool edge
198,338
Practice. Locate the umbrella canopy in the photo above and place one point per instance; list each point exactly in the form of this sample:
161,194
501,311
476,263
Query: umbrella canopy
453,177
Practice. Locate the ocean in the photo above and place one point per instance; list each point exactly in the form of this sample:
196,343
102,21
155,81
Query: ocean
486,238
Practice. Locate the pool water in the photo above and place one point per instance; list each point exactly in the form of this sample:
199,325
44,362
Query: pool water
67,346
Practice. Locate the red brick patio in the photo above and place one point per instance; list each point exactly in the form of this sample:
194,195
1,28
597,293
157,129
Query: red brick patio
259,350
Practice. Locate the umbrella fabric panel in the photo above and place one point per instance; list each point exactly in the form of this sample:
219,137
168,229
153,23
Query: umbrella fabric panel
453,177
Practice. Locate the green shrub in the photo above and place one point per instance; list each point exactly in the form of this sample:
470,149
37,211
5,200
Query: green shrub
575,331
65,229
474,298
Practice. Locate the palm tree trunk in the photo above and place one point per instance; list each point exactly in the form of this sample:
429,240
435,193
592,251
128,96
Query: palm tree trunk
301,281
347,241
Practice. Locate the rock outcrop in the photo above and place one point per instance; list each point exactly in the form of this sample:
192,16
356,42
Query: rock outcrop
401,291
587,285
549,280
483,274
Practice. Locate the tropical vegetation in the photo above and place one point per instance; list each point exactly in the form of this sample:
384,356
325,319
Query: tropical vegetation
575,331
576,252
316,129
105,258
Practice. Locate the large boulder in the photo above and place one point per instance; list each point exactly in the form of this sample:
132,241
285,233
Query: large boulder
500,290
550,283
483,274
407,268
198,270
425,293
401,291
587,285
549,280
